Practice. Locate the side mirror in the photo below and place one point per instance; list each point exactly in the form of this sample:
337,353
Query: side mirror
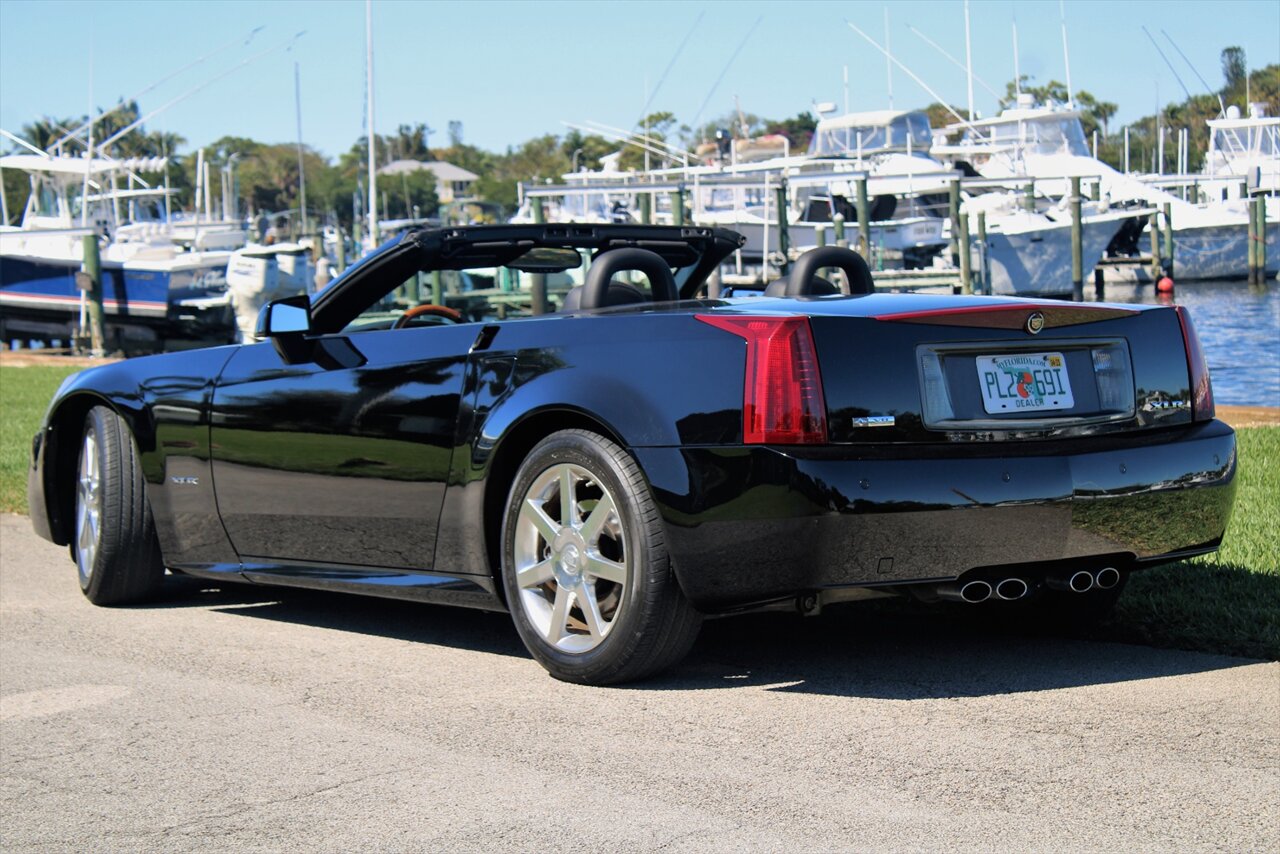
282,317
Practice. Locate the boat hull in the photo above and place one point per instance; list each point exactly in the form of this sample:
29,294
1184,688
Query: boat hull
1038,262
1206,252
142,302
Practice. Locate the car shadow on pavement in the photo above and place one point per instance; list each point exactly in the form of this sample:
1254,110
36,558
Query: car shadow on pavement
438,625
901,654
856,650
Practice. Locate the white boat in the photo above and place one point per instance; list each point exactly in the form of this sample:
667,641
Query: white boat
259,273
155,289
1047,143
1244,151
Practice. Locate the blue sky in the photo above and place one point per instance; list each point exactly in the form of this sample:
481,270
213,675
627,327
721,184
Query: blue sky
511,70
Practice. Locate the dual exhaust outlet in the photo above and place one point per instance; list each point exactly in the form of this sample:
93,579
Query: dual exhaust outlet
1014,588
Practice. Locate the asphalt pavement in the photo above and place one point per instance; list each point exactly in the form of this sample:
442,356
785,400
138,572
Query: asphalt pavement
241,718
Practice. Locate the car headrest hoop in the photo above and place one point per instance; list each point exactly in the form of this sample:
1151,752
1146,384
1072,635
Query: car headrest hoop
856,273
595,290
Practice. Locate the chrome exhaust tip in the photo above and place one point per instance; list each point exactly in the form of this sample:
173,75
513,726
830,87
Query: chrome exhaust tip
1012,589
1076,582
971,592
1106,578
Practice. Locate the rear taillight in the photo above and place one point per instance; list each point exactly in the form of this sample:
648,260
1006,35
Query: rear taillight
782,400
1201,388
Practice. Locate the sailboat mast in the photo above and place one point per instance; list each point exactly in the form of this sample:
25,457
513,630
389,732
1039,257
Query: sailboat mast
1017,72
302,174
372,137
968,57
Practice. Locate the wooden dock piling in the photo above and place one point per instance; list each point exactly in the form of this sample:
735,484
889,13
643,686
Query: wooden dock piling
1029,197
93,274
966,259
1077,244
677,206
1154,226
984,269
1167,254
837,223
1262,239
538,281
784,230
864,224
953,212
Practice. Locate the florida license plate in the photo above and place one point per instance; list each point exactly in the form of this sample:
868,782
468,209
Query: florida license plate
1025,382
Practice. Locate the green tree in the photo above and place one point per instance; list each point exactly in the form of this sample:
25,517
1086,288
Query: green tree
798,129
655,127
1234,68
940,115
589,148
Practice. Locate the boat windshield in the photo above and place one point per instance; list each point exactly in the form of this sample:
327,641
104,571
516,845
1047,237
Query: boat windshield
1043,135
1257,142
840,140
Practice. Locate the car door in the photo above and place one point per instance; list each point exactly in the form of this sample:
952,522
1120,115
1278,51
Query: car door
341,461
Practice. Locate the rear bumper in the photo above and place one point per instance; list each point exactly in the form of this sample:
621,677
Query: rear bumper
750,524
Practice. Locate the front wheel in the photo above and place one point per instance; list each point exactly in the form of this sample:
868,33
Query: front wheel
114,546
585,566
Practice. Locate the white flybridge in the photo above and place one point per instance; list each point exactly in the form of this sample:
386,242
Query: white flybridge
1047,143
1244,150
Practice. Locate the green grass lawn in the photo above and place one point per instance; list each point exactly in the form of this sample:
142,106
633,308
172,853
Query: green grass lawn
1226,603
24,395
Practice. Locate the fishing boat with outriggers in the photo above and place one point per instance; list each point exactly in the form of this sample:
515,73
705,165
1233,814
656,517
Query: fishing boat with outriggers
161,287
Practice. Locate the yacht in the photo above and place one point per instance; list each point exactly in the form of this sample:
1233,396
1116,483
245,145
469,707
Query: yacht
160,284
1047,143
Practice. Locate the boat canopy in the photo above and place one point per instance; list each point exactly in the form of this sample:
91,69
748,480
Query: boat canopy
1035,131
882,130
1246,139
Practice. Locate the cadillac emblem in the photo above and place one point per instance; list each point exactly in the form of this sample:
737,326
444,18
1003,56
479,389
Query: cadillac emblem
1035,322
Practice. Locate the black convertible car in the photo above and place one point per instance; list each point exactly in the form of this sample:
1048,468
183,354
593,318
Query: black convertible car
642,449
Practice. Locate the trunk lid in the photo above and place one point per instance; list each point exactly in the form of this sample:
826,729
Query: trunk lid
901,368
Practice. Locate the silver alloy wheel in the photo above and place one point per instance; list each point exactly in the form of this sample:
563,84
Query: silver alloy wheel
88,506
570,558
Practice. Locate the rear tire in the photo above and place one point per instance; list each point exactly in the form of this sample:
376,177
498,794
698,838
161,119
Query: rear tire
585,566
114,542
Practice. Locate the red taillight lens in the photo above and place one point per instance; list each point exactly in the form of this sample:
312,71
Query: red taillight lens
1201,388
782,397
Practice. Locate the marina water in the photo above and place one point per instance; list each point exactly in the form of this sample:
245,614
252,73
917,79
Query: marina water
1239,328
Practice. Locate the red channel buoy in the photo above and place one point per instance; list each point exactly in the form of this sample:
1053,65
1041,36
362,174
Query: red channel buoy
1165,285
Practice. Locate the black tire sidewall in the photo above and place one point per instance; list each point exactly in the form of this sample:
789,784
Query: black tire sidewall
127,565
95,423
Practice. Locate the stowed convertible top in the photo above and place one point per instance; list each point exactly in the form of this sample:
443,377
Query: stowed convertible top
422,250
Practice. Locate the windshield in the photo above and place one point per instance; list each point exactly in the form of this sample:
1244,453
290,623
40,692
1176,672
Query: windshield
911,130
1047,135
1261,142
